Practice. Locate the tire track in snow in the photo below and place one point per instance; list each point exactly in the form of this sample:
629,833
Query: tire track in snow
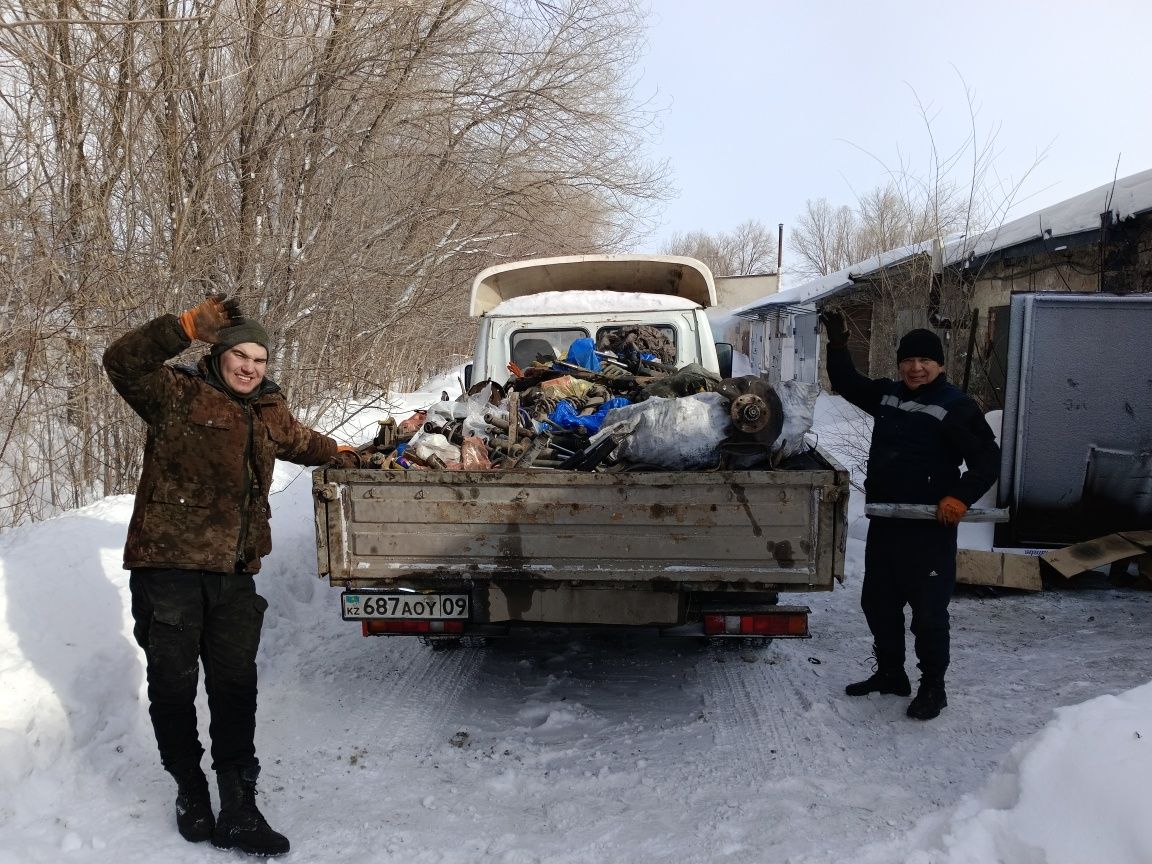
768,721
409,697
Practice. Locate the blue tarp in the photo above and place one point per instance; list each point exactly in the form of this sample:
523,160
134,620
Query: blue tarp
582,352
566,417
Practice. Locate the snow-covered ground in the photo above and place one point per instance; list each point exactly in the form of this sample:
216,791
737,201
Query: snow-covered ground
565,747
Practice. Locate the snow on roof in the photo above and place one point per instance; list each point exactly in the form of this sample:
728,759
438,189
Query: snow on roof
581,302
826,286
1125,198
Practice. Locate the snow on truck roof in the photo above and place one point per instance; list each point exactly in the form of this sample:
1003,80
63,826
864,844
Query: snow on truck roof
671,275
581,302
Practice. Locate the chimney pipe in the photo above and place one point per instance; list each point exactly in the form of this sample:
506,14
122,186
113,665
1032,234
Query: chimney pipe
780,248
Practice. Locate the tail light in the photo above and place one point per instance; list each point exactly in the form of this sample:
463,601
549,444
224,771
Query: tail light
784,622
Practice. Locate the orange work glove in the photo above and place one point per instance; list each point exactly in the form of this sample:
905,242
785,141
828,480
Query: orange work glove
346,457
950,510
205,320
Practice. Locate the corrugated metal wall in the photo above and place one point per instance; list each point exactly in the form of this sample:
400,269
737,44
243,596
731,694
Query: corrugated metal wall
1077,435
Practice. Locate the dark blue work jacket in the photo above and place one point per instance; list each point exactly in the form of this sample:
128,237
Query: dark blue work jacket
919,437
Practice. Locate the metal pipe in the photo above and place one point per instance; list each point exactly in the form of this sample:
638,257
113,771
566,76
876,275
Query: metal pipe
928,511
533,452
452,432
493,420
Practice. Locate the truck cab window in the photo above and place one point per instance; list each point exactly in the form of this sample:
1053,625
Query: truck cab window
658,340
527,345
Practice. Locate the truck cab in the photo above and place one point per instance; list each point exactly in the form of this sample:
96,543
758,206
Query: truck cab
536,309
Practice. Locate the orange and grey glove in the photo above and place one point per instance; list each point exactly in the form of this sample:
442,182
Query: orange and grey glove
205,320
950,510
346,457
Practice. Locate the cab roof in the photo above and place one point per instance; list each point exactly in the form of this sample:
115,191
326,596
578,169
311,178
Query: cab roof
674,275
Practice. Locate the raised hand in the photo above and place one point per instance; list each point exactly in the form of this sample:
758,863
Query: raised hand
204,321
836,328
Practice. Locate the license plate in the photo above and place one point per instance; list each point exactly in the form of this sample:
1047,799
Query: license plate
402,605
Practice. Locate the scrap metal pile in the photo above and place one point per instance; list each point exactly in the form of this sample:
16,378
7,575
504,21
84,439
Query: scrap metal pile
618,406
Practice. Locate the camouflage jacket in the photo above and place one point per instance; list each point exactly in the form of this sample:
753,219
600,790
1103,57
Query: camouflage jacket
202,500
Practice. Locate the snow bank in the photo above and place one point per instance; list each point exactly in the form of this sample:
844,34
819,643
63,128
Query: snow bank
80,780
1075,792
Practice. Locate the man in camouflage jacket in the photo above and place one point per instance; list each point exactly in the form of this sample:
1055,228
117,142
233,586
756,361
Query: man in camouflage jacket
199,528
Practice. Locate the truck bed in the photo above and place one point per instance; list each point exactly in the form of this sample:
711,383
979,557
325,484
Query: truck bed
758,530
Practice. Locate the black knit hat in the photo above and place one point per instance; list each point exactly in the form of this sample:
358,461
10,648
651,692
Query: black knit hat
248,330
920,343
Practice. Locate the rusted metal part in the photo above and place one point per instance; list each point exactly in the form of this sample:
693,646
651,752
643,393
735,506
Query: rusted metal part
382,460
495,420
429,461
750,413
513,416
533,451
755,410
408,427
453,431
327,491
386,434
504,442
500,442
523,447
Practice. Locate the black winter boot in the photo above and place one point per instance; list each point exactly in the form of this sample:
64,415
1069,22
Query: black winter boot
930,700
241,825
893,681
193,805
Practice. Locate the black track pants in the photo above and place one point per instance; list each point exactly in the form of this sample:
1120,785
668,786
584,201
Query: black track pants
185,618
909,562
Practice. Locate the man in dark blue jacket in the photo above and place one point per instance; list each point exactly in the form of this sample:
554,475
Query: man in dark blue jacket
923,429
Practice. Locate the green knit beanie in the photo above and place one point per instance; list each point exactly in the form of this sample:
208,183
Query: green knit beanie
248,330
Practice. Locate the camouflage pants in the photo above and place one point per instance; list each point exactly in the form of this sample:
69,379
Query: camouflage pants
185,618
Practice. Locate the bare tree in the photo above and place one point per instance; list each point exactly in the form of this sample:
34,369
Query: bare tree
343,168
825,239
748,250
955,202
957,193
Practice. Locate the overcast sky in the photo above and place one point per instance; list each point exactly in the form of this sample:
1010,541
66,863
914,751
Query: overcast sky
769,104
